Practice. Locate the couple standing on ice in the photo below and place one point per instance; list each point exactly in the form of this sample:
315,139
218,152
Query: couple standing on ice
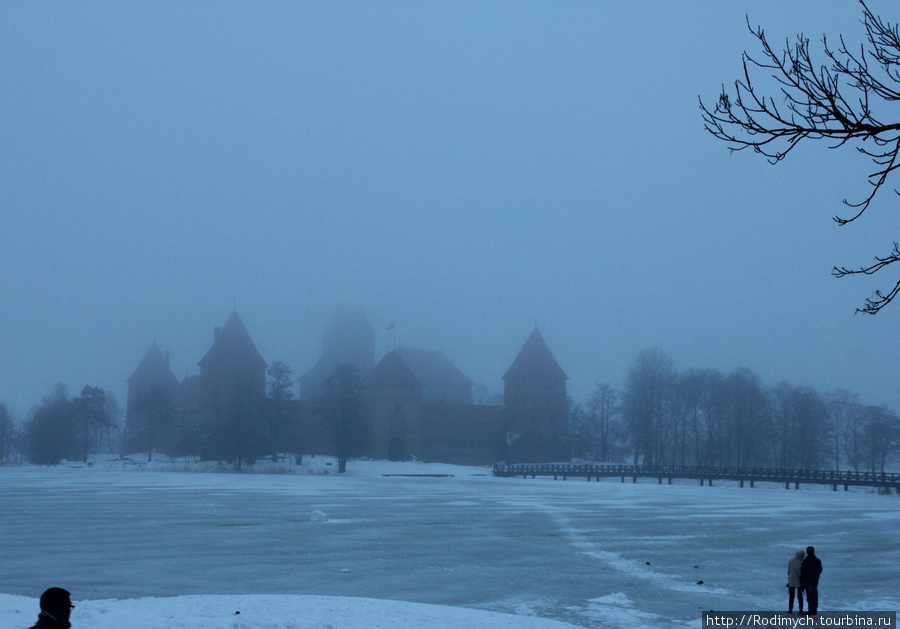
803,574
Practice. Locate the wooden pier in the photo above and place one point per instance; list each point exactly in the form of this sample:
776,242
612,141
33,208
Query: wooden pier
750,476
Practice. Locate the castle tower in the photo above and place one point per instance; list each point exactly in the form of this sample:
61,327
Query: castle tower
394,410
534,396
232,368
348,339
152,373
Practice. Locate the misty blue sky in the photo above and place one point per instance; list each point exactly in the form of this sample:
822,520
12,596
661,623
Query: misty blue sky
464,169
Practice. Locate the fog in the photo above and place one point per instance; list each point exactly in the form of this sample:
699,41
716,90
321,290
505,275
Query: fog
465,171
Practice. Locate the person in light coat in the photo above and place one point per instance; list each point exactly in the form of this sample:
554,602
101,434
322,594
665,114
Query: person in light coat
793,582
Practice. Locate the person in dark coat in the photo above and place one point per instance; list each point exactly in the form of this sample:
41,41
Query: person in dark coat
56,606
793,582
810,570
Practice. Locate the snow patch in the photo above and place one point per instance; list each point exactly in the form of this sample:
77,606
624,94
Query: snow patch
618,598
269,612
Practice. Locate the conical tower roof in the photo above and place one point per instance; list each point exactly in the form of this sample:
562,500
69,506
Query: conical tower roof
154,369
392,371
233,346
535,362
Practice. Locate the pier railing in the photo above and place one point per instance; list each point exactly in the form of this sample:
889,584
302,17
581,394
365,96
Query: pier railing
751,475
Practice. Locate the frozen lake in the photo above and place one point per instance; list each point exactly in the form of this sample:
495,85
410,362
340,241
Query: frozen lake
591,554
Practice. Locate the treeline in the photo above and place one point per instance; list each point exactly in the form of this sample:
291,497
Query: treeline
254,425
62,427
707,418
260,425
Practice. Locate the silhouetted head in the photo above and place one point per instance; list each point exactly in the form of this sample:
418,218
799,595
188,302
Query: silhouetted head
56,601
810,551
799,554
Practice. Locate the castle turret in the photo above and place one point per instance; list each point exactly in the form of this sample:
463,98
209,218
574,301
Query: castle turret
394,410
231,368
348,339
534,396
153,374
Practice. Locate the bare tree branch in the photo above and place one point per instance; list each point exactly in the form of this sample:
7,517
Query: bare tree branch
879,300
839,101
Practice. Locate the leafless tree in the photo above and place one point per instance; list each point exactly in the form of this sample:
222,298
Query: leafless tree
157,413
89,415
844,410
7,434
800,427
279,388
50,433
647,406
841,102
603,412
341,408
881,436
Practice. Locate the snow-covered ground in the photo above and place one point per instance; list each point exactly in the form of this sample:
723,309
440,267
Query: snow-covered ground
269,612
147,547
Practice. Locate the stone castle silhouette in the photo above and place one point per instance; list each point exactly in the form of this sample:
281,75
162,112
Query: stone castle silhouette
415,403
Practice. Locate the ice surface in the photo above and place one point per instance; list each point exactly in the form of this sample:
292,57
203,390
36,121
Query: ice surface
592,554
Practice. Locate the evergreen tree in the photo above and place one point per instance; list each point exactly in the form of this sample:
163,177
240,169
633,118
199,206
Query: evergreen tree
89,414
50,432
280,392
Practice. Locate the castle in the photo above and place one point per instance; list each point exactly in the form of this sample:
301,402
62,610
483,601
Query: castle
414,403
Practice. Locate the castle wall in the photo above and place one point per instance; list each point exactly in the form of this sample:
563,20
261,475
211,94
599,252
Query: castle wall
220,413
462,434
394,416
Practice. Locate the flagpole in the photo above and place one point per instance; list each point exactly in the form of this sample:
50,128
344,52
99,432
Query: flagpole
392,328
